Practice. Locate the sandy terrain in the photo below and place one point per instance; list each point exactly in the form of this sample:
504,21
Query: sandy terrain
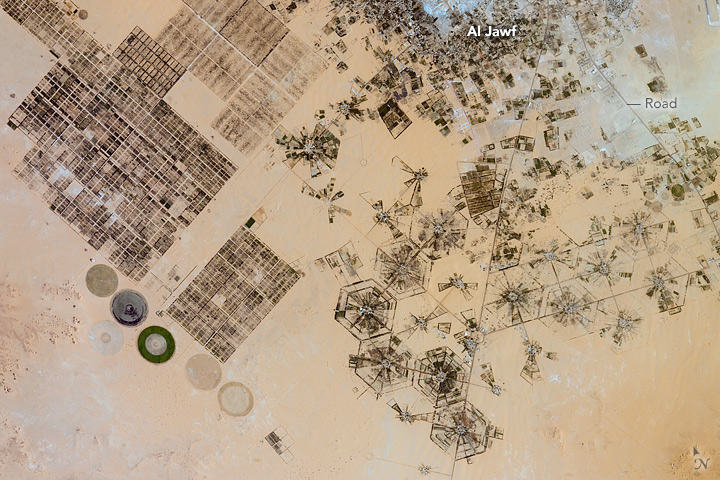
600,412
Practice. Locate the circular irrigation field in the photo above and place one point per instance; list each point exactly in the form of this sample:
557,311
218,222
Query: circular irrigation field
129,308
235,399
101,280
156,344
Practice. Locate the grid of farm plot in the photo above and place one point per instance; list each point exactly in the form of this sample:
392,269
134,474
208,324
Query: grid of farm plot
235,291
248,58
110,157
149,62
83,55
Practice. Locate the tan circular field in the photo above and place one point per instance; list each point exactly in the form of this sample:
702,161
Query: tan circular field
101,280
203,371
156,344
235,399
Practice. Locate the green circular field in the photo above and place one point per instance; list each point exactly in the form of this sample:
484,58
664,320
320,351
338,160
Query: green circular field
156,344
677,190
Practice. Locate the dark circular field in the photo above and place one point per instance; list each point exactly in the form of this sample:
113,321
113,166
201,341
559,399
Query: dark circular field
129,308
677,190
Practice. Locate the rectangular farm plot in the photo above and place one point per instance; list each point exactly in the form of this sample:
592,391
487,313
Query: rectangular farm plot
150,63
293,65
200,6
394,118
221,68
116,163
233,293
251,96
229,59
86,57
254,31
252,113
185,36
213,77
236,131
248,58
215,12
481,188
43,19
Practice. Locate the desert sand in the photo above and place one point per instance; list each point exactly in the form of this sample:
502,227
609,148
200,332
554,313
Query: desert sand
77,400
